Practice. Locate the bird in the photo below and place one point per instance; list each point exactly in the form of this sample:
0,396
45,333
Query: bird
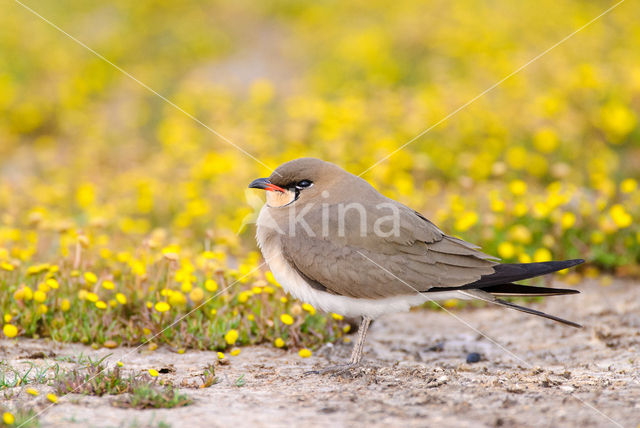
332,240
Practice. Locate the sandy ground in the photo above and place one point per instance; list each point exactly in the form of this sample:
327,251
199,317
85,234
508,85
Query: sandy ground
533,372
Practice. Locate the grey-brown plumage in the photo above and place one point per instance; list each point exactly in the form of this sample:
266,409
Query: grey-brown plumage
334,241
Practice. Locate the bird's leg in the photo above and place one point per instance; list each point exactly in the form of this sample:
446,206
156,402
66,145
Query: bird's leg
356,354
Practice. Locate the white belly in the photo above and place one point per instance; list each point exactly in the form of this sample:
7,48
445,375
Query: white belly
298,287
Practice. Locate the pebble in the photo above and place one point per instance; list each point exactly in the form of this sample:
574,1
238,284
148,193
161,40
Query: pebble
473,357
442,379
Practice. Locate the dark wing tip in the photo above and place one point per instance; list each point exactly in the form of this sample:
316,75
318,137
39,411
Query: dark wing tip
511,289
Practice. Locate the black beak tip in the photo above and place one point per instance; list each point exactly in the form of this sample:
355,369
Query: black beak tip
259,183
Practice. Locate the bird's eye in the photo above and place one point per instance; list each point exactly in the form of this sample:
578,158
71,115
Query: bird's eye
303,184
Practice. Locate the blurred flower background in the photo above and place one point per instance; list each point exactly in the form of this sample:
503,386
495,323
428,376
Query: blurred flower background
119,213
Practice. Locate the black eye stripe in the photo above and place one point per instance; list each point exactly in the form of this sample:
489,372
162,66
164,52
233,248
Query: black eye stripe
302,184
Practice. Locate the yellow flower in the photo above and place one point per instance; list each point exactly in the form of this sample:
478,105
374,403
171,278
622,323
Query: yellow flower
524,258
268,289
243,297
8,418
279,342
52,283
256,290
213,311
606,280
177,299
7,318
211,285
28,293
568,220
450,303
153,372
42,309
120,364
235,352
231,336
304,353
628,185
520,209
6,266
497,205
620,216
269,276
506,250
591,272
92,297
32,391
90,277
108,285
39,296
162,307
309,308
121,298
220,356
520,233
10,330
597,237
517,157
545,140
337,317
196,295
186,286
251,317
65,305
209,255
466,221
542,255
618,120
286,319
52,397
284,299
518,187
101,305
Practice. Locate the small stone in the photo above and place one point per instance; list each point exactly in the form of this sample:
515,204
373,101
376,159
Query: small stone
110,344
473,357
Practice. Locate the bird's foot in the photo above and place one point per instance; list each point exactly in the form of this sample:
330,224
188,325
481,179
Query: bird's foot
337,370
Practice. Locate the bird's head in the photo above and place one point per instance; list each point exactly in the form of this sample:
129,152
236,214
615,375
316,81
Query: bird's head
299,181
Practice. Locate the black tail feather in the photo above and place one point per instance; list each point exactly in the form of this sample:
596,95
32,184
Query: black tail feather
482,295
511,272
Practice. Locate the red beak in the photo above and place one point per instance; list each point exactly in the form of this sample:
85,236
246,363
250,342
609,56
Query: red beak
264,183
